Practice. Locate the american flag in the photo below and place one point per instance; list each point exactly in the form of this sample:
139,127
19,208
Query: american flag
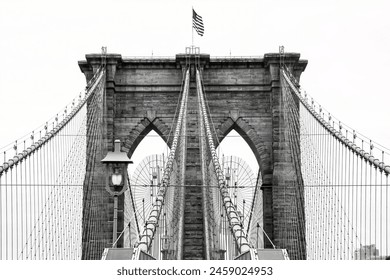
197,23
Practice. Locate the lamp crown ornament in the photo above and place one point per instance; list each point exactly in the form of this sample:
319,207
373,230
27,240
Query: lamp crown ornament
116,156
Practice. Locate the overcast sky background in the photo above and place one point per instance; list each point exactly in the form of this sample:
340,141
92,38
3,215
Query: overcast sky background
347,45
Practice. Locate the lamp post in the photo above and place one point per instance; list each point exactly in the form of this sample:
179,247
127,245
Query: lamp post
116,180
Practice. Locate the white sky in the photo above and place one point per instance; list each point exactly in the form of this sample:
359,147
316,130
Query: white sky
347,44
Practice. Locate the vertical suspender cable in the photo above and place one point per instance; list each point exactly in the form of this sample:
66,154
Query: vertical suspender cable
366,201
387,214
12,215
16,211
6,214
381,205
375,205
1,217
361,199
40,188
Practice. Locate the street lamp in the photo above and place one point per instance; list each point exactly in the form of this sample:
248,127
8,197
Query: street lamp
116,179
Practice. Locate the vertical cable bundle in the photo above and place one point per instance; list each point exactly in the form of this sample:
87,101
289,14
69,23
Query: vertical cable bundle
149,231
234,224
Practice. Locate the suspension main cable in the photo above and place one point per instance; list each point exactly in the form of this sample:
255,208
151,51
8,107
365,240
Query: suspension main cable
208,108
239,233
151,224
346,142
177,105
91,90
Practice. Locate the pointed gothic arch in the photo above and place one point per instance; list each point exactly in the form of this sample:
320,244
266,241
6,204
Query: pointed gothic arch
138,133
255,142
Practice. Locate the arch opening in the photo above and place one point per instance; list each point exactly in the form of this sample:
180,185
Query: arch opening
234,144
151,144
237,157
149,158
258,146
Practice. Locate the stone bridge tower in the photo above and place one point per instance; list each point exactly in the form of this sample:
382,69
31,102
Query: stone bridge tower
243,94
